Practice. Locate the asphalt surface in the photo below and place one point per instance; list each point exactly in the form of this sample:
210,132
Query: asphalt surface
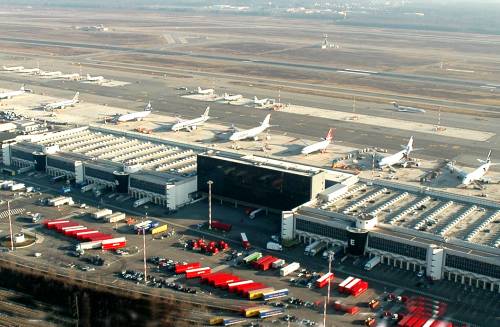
389,75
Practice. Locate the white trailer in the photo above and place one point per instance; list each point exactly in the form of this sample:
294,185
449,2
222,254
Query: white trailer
274,246
60,200
316,248
17,187
290,268
308,247
102,213
88,187
88,245
140,202
115,217
6,184
372,262
278,264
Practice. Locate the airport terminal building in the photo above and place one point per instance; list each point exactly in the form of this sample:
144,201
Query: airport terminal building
142,166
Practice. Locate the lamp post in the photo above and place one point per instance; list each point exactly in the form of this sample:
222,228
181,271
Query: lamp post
210,204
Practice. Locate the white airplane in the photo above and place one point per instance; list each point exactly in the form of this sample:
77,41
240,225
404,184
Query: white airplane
399,158
95,78
13,69
476,175
262,102
251,133
206,91
192,124
56,73
10,94
321,145
29,71
399,108
62,104
232,97
74,76
139,115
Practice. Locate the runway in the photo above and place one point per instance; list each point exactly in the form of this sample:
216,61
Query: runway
387,75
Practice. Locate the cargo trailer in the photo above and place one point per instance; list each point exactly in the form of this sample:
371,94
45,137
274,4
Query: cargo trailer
266,313
254,311
275,294
61,228
233,321
179,268
344,283
114,243
252,286
221,226
252,257
359,288
101,213
244,241
115,217
232,286
323,280
256,263
17,187
81,234
348,287
224,281
278,263
258,293
51,224
215,321
290,268
73,231
159,229
372,262
197,272
247,290
88,245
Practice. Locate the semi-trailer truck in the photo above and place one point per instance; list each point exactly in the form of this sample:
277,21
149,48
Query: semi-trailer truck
315,248
372,262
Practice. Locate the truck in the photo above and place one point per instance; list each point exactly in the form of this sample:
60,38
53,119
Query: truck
372,262
101,213
65,189
17,187
140,202
221,226
275,294
115,217
274,246
308,247
290,268
337,252
114,243
315,248
244,241
252,257
145,226
88,187
60,200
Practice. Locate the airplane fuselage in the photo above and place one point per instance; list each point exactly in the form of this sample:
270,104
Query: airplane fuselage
235,97
477,174
60,105
318,146
8,95
248,134
189,123
392,159
134,116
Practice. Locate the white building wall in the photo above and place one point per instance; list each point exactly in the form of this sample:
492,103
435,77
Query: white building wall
6,158
287,225
435,262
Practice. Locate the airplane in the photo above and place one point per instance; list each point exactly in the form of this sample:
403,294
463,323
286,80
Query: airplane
475,176
192,124
56,73
232,97
13,69
251,133
399,108
10,94
262,102
206,91
139,115
29,71
321,145
62,104
73,76
401,157
95,78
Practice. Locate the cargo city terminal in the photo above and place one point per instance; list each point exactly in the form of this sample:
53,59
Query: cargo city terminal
444,235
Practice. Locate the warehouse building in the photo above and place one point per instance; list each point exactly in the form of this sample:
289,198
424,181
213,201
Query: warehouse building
444,235
126,162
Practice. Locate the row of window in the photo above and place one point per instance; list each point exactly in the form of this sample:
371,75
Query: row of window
158,188
478,267
397,247
16,153
97,173
61,164
320,229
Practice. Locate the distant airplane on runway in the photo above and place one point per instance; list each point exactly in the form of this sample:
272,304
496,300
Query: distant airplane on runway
400,158
192,124
262,102
252,133
62,104
95,78
321,145
399,108
232,97
139,115
74,76
56,73
13,68
10,94
476,176
206,91
29,71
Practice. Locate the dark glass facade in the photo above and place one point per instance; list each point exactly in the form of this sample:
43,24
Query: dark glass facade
16,153
259,185
320,229
478,267
397,248
101,174
356,242
158,188
61,164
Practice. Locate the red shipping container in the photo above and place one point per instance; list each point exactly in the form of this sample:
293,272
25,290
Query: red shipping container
256,263
182,268
114,246
241,289
232,286
59,227
80,235
51,224
266,264
197,272
223,282
221,226
323,280
73,231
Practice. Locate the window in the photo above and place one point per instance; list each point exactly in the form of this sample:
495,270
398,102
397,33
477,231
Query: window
322,230
478,267
397,247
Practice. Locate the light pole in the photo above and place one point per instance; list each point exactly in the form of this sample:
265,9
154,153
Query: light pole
210,204
10,228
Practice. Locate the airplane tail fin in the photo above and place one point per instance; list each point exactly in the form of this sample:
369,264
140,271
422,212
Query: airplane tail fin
330,134
22,88
255,98
75,98
207,111
395,104
266,120
199,89
409,146
149,107
488,159
88,76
